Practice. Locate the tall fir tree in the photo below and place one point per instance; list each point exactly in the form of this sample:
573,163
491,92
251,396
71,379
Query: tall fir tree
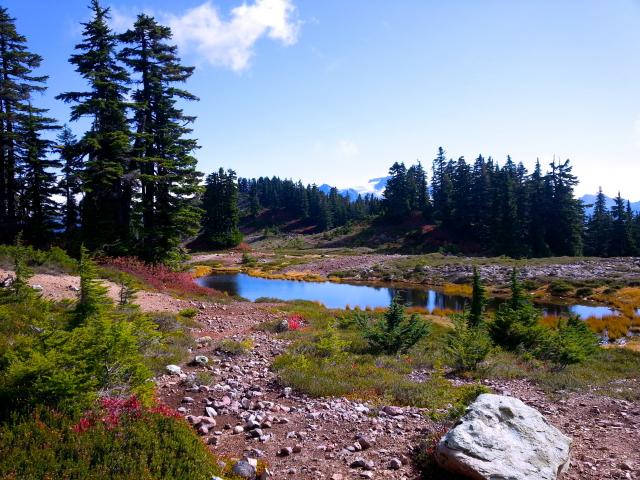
108,176
598,228
70,185
162,153
39,212
221,212
18,82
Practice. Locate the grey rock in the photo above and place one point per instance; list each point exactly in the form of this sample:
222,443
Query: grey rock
173,369
500,437
244,469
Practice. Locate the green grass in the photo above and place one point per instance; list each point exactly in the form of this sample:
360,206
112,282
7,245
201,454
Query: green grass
234,347
611,371
327,358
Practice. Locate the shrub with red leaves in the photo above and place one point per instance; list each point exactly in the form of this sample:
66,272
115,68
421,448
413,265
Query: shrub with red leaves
294,321
111,411
158,276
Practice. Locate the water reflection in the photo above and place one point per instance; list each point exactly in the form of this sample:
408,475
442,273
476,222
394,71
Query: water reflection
339,295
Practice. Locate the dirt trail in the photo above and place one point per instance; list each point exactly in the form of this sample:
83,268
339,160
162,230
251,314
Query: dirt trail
65,287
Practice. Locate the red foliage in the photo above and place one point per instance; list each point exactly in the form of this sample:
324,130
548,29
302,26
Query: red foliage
111,411
158,276
294,321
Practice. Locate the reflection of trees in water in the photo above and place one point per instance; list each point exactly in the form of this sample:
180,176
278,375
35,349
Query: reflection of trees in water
222,283
430,299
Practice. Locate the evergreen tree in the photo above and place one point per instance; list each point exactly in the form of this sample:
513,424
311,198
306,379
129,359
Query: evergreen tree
478,300
70,184
565,218
161,152
108,175
598,228
92,297
38,210
396,194
622,243
17,84
221,217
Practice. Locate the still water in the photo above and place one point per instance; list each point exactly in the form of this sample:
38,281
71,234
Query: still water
339,295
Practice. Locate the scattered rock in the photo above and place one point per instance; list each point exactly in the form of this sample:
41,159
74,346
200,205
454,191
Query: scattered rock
173,369
244,469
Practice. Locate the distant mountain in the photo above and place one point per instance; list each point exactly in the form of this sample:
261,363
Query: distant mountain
589,200
374,185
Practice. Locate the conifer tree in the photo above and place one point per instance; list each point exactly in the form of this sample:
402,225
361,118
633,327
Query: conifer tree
622,243
38,209
70,184
17,84
92,297
162,153
108,176
478,300
221,213
598,228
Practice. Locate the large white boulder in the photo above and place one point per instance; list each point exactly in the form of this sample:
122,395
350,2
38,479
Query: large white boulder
501,438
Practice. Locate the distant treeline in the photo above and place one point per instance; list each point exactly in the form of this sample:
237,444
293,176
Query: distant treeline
508,211
308,202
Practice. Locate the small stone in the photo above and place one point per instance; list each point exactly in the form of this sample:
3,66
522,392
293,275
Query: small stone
201,360
211,412
297,448
395,464
213,440
238,429
393,411
173,369
285,451
188,400
362,463
244,469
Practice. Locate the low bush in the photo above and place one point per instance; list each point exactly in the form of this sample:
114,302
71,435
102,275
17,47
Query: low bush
188,312
467,346
559,288
394,332
138,444
158,276
234,347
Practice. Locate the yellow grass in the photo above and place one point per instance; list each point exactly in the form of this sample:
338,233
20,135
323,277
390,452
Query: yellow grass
616,325
305,276
456,289
202,271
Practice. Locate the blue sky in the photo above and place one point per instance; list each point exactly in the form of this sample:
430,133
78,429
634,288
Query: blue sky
335,91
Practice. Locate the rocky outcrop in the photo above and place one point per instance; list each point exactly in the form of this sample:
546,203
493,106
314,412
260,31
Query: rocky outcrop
501,438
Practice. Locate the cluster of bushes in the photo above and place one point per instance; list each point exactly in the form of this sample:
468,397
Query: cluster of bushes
75,386
516,327
368,356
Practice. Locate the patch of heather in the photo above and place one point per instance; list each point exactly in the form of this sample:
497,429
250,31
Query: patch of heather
159,276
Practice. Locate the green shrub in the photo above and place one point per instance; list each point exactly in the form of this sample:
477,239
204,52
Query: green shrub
188,312
152,446
395,332
583,292
234,347
249,260
572,342
467,346
559,287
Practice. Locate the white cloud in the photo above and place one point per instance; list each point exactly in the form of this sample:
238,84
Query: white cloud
120,20
348,148
230,42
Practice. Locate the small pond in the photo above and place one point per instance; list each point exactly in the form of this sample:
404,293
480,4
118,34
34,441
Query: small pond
339,295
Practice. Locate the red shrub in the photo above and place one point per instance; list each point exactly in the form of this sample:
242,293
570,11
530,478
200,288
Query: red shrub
111,411
294,321
158,276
